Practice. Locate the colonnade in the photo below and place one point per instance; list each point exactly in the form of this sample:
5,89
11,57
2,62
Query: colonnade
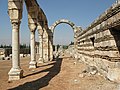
36,20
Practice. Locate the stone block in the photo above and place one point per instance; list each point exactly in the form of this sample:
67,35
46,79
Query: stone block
14,5
30,20
114,74
15,14
32,15
15,74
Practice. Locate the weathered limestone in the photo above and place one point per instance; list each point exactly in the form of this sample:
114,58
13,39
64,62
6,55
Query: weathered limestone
114,74
15,13
33,63
56,48
45,46
32,10
15,8
51,45
43,37
75,47
99,44
15,72
37,47
75,30
40,33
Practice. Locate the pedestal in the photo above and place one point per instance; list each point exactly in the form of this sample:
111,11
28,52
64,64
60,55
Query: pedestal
15,74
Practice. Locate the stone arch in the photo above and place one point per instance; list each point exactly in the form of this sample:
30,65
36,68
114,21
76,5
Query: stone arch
75,28
63,21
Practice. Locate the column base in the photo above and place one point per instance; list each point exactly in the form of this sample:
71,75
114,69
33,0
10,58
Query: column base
15,74
51,58
45,61
32,64
41,60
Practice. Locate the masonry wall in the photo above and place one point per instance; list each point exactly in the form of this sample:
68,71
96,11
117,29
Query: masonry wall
99,44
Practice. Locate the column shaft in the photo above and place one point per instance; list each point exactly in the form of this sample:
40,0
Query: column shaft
15,14
51,50
16,72
33,63
15,48
40,49
45,47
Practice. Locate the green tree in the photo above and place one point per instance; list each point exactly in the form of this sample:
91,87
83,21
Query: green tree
72,43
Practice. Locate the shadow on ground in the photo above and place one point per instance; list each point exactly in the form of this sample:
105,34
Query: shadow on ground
43,81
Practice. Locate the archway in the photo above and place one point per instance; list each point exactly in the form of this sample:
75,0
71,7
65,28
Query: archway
63,35
63,21
75,30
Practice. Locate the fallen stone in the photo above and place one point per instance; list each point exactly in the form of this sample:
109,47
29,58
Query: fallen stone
81,75
93,70
75,63
114,75
75,80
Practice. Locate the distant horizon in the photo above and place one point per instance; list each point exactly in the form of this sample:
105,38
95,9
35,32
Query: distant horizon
29,44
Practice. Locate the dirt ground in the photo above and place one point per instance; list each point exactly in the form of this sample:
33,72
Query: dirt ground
60,74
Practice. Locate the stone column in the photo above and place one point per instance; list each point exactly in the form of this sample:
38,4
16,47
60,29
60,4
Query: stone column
33,63
16,72
51,43
40,33
51,47
37,49
15,13
45,46
56,48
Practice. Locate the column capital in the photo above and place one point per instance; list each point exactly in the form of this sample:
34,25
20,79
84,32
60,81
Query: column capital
15,25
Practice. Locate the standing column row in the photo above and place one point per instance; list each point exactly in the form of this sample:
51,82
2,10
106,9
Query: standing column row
15,14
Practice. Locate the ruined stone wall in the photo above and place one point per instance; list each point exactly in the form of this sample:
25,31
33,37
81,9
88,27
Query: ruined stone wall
99,44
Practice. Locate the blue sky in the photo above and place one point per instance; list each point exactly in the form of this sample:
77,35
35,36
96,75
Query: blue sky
80,12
